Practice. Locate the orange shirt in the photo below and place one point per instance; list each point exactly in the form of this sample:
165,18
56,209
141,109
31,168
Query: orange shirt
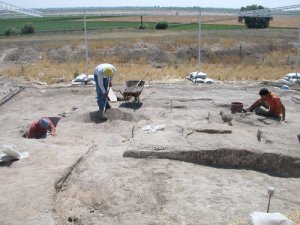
275,104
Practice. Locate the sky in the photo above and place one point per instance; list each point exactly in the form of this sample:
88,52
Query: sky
162,3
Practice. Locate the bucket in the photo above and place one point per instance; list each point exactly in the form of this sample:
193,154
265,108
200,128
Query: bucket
236,107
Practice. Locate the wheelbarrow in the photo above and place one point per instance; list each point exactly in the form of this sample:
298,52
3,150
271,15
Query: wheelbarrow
133,88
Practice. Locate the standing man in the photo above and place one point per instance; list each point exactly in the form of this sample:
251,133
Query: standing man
269,101
103,75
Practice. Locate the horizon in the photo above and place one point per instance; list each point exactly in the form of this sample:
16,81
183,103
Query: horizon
226,4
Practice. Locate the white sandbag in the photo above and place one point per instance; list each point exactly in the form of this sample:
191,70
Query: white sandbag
10,151
261,218
80,78
198,80
11,154
208,81
91,77
295,81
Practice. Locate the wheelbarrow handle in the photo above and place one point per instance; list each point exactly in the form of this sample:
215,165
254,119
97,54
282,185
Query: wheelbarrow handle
146,73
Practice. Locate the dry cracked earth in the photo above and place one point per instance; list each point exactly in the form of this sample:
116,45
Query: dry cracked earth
194,169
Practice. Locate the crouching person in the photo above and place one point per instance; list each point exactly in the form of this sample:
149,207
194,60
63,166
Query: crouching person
272,104
39,128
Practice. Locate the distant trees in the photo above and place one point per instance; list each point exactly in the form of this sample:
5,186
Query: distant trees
252,21
163,25
28,28
10,31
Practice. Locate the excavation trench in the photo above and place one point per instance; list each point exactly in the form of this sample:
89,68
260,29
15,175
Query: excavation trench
270,163
14,91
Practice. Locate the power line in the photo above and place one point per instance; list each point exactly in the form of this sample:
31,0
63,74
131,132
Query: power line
266,12
13,8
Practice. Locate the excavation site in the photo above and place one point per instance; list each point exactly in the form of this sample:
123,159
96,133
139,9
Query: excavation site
167,159
108,119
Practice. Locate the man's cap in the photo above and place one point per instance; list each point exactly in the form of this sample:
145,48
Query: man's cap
108,71
264,91
44,123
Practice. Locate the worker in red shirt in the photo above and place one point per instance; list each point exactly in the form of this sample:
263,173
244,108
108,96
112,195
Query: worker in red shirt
269,101
39,128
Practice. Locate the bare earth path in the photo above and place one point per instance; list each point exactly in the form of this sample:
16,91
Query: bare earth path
114,172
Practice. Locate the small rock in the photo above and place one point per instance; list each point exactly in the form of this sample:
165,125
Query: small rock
72,219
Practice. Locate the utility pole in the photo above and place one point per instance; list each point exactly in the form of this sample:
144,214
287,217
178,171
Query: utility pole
199,44
86,47
298,53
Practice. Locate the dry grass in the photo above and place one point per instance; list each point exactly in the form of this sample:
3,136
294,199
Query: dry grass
133,51
47,71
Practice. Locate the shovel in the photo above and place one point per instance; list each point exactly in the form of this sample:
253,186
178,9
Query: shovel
105,105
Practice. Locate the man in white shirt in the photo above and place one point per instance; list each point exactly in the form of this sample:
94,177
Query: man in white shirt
103,75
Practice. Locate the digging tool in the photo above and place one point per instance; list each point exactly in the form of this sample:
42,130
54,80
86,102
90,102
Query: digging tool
105,104
137,84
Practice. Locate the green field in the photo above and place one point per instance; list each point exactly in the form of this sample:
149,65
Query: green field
66,23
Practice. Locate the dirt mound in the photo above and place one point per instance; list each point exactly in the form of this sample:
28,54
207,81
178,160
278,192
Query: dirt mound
117,114
110,114
19,55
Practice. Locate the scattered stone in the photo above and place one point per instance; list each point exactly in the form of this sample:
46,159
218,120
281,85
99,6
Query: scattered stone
261,137
226,118
72,219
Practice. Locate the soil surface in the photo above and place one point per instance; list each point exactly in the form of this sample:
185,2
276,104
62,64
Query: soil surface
167,159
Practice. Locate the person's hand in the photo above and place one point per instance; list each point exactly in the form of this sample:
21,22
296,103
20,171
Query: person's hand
110,84
105,95
53,132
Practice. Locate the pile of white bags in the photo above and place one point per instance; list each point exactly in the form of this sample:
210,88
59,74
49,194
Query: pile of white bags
199,77
290,78
83,79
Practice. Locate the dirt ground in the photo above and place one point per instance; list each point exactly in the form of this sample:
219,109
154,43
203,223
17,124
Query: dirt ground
197,170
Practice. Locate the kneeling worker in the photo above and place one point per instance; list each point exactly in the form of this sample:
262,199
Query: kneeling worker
39,128
271,102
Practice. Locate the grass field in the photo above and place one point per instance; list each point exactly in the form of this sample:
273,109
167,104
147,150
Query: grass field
99,22
228,50
69,23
